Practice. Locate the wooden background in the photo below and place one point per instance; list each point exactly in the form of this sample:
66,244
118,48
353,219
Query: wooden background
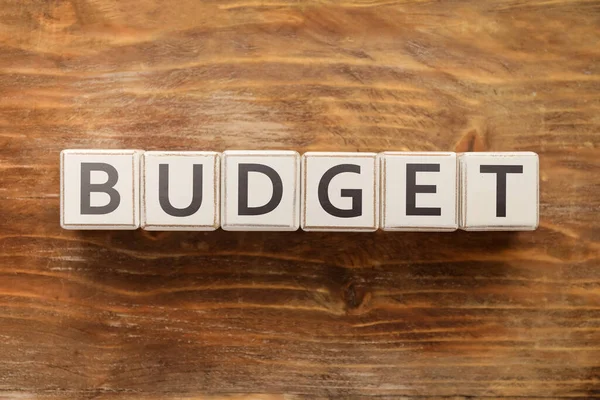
140,315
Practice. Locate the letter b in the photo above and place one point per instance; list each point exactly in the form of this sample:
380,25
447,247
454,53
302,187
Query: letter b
99,189
108,187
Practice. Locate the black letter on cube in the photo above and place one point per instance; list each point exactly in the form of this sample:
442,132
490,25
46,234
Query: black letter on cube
501,171
355,194
412,189
163,192
243,170
87,188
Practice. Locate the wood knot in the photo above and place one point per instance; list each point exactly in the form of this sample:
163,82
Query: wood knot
471,141
356,297
154,235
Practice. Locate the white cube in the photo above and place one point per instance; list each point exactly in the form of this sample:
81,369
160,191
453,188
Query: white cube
419,191
499,191
340,192
99,189
180,190
260,190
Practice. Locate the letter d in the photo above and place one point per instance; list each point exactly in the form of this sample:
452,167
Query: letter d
243,170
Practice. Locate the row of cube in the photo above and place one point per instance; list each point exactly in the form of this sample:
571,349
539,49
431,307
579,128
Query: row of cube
282,191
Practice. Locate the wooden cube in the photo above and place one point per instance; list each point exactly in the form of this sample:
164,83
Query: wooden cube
260,190
419,191
340,192
180,190
499,191
99,189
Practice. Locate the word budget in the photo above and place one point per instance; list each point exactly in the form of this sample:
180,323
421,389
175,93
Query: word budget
244,190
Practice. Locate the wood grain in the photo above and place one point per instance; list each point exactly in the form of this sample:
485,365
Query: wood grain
141,315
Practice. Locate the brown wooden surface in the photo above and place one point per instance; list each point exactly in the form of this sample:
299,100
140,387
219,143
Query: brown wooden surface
162,315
